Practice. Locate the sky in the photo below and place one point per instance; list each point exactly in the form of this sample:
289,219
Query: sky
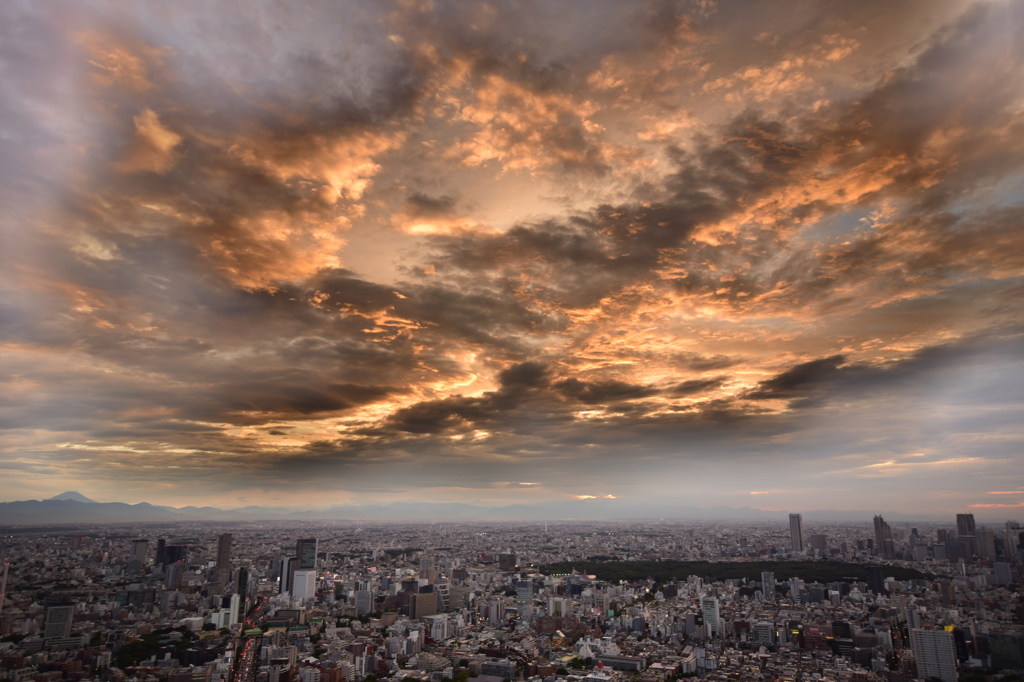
702,252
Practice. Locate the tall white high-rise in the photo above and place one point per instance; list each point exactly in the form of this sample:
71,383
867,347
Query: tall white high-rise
796,531
712,621
935,654
304,584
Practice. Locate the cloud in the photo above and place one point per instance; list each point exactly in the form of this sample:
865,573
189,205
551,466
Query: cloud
153,146
460,239
798,380
422,214
602,392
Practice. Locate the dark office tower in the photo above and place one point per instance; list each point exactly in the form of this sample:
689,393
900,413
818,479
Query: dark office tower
796,532
843,634
947,592
173,573
222,570
137,555
278,563
242,581
819,544
506,562
883,539
224,551
876,579
161,552
175,553
957,551
966,533
288,577
58,621
305,552
943,535
965,524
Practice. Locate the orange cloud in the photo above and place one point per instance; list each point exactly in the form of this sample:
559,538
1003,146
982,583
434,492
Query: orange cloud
341,164
424,215
153,147
790,75
124,63
527,129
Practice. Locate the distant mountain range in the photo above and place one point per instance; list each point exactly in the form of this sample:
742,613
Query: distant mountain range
73,508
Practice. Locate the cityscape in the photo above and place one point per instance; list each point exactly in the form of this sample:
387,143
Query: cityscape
558,601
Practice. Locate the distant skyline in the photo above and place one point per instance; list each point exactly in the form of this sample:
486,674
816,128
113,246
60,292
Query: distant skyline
72,507
688,253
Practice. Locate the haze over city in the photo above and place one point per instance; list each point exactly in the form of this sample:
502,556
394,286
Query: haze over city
712,254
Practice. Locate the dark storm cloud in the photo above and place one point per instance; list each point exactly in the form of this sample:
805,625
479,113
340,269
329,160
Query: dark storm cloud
524,375
813,383
602,392
527,382
421,205
799,379
519,383
695,386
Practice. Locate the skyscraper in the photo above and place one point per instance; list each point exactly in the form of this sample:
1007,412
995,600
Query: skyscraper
524,599
1012,533
796,532
768,585
883,539
985,543
242,582
876,579
137,555
222,570
965,524
428,568
712,620
966,533
305,552
304,584
819,544
224,551
935,654
288,575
